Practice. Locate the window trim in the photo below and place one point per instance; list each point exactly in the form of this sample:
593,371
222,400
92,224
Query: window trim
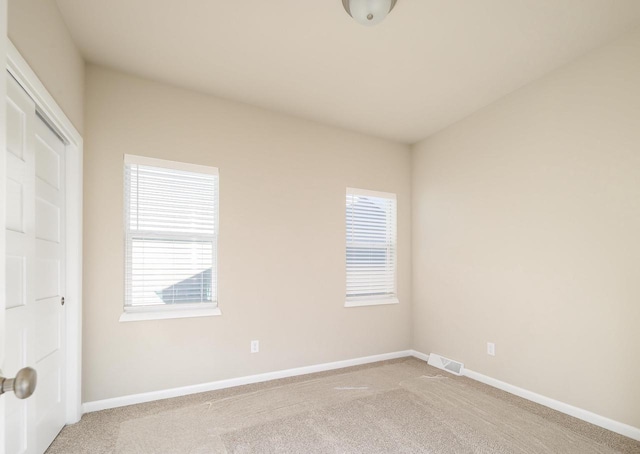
141,313
163,312
168,164
364,301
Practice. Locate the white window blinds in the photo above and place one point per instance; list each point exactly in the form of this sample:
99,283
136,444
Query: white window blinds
371,247
171,222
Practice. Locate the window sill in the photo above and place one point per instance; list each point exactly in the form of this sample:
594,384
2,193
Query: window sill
138,314
374,302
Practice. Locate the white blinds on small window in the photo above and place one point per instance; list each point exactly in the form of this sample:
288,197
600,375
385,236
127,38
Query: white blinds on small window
171,222
371,245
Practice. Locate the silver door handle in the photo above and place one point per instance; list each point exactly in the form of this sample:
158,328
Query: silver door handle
23,385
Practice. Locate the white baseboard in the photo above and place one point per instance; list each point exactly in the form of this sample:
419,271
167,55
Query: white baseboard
423,356
122,401
601,421
595,419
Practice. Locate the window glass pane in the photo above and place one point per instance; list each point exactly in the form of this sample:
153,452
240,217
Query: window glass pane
371,245
166,200
171,235
170,271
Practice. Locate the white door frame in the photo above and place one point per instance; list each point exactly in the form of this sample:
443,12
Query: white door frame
20,70
3,188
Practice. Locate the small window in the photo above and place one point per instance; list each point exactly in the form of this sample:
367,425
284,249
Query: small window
371,248
171,238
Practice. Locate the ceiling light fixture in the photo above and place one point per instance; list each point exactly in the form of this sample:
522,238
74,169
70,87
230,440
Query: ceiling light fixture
368,12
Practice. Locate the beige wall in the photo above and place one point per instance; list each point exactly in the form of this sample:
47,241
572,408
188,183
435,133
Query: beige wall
525,230
281,247
526,233
38,31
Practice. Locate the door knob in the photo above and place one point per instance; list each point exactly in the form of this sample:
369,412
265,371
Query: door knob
23,385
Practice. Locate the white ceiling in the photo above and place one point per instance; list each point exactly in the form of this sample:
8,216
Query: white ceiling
429,64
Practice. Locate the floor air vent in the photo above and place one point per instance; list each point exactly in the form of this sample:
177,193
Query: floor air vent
447,364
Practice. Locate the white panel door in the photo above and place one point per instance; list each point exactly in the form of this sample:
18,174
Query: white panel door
34,334
49,317
20,253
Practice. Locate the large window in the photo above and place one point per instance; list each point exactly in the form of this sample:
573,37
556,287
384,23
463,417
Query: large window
371,248
171,237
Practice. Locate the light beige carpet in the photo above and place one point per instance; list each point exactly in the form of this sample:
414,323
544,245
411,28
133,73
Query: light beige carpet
402,406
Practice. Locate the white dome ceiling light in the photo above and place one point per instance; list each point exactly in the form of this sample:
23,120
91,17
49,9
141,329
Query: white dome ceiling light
368,12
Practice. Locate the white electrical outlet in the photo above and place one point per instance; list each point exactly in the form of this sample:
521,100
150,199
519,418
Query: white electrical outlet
255,346
491,349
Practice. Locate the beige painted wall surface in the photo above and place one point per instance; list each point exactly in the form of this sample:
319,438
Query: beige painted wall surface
38,31
526,221
281,248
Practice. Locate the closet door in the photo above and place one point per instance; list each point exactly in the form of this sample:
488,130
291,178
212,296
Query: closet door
34,312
